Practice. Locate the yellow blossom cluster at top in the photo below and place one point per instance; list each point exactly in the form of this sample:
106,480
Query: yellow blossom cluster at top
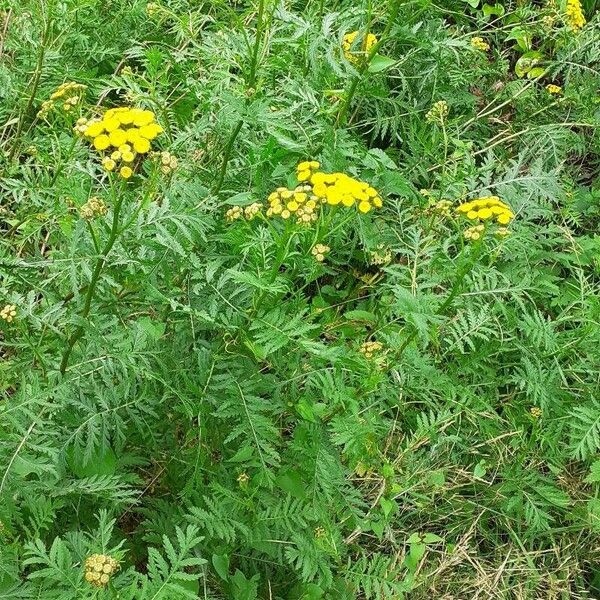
315,188
99,568
338,188
480,44
488,208
123,134
574,15
356,56
69,93
8,313
299,201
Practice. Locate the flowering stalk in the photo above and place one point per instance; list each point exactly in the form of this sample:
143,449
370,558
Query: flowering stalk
250,82
100,262
349,95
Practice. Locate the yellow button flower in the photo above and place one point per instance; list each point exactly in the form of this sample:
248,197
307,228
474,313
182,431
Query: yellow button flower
141,145
143,117
127,156
484,213
364,207
94,129
111,124
126,172
101,142
117,137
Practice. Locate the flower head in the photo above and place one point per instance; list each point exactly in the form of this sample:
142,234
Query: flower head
66,96
481,211
480,44
319,251
574,16
438,112
357,52
369,349
8,313
99,568
124,133
94,207
551,88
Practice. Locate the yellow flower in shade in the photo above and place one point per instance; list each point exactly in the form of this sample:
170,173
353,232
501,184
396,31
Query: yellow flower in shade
574,15
127,157
551,88
480,44
8,313
369,349
355,50
125,172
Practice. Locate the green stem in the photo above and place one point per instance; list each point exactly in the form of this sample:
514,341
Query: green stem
349,95
250,82
35,83
76,335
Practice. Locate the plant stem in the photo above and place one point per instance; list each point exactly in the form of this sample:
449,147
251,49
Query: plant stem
250,82
35,82
76,335
349,95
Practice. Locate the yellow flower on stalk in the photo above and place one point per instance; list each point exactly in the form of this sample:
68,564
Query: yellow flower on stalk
8,313
356,53
487,209
99,568
574,15
480,44
125,172
551,88
123,133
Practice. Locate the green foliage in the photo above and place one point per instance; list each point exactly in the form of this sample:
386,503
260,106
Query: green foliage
192,396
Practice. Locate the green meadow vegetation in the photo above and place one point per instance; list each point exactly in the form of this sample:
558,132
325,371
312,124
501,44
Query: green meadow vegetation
300,299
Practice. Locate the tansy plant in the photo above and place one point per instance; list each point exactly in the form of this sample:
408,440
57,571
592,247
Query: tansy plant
121,136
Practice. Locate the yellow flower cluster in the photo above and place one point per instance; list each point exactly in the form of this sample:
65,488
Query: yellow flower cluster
474,233
234,213
299,201
69,93
357,56
442,207
438,112
480,44
574,15
339,188
488,208
535,412
99,568
168,162
319,251
249,212
551,88
252,210
371,348
123,133
94,207
8,313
